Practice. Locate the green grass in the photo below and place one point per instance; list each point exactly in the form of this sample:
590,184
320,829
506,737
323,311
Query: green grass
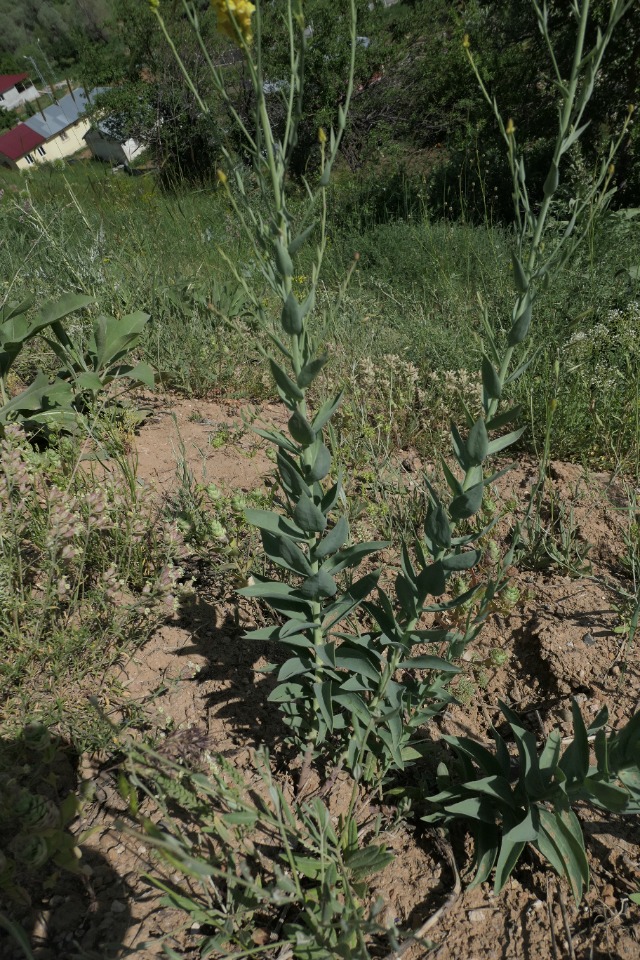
413,296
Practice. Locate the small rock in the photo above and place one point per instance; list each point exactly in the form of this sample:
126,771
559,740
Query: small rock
118,906
479,915
589,640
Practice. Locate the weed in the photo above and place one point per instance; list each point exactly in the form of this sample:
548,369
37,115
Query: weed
86,570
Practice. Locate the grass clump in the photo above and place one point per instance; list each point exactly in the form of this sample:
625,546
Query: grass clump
88,568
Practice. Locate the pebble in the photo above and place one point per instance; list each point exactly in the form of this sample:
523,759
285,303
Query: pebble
589,640
118,906
479,915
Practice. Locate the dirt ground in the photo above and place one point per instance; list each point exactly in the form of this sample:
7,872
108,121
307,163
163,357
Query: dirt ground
560,642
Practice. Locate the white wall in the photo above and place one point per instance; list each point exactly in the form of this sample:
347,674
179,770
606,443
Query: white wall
13,98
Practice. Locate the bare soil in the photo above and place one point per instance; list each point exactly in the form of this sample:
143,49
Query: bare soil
561,642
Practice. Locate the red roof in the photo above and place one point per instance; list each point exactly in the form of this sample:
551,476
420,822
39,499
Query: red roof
8,80
19,141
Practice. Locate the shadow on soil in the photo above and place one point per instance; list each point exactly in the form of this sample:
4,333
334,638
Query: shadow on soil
58,912
241,697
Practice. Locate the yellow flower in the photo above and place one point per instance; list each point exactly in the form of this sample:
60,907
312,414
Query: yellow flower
466,42
235,16
322,135
511,127
222,177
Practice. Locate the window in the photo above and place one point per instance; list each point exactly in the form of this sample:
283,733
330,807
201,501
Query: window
29,158
42,151
64,136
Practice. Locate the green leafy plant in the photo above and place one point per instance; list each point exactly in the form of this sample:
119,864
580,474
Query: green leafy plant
352,686
240,857
83,375
511,802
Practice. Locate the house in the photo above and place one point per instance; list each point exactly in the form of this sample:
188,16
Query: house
62,125
61,130
105,145
21,147
16,89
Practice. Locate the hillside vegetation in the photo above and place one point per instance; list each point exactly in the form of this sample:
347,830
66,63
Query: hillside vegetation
319,486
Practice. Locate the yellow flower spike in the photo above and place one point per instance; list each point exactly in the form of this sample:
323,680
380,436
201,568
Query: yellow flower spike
234,16
322,135
611,170
222,177
466,42
510,128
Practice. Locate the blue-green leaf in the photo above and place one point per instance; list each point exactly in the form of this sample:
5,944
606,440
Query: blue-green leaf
575,761
300,429
467,503
311,370
326,411
289,391
285,553
309,517
352,556
323,693
487,842
292,480
321,464
318,587
461,561
333,540
519,276
425,662
349,600
295,667
477,443
287,693
437,527
274,523
357,661
501,443
275,436
291,316
490,380
521,324
508,857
